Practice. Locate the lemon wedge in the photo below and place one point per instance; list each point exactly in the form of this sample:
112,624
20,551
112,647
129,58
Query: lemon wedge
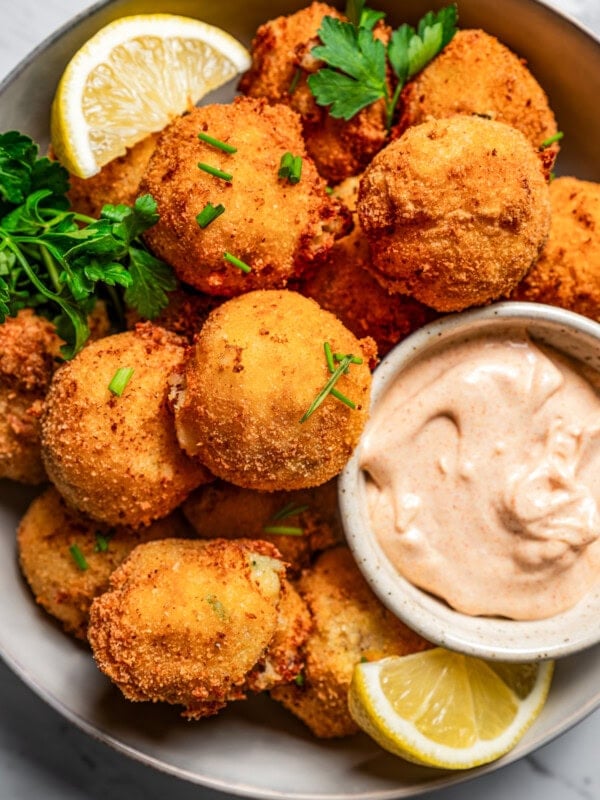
444,709
130,79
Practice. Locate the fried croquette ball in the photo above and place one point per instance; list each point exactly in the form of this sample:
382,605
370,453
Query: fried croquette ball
297,523
344,286
567,273
190,623
116,458
282,61
117,182
29,348
456,211
62,585
349,626
256,368
476,74
251,228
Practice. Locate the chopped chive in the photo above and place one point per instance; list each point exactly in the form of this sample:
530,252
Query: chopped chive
364,660
120,380
78,557
353,359
328,190
285,165
237,262
296,172
208,214
218,173
284,530
289,510
217,606
342,398
551,140
226,148
299,679
294,81
102,540
341,368
329,356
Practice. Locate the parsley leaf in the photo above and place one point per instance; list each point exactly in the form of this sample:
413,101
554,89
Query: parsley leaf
355,71
59,262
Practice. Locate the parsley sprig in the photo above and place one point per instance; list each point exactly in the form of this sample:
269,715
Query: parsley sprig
356,68
59,262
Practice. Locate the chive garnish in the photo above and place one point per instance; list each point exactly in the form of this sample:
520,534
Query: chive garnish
289,510
551,140
328,190
120,380
284,530
226,148
340,369
329,356
290,167
218,173
294,81
353,359
299,679
208,214
342,398
78,557
102,540
237,262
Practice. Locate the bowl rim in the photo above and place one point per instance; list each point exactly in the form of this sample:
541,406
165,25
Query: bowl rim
491,638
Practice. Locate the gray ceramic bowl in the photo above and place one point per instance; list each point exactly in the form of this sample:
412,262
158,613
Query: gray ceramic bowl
256,748
486,637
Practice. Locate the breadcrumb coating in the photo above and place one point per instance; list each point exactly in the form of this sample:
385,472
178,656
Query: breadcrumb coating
477,74
281,60
117,458
221,509
255,199
190,623
29,348
567,273
456,211
47,531
257,366
349,625
117,182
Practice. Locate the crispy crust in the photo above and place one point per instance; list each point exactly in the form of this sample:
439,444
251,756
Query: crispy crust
349,624
456,211
477,74
246,428
44,537
251,228
282,47
116,458
568,271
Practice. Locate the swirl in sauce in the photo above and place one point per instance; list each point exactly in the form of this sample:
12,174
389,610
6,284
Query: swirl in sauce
483,464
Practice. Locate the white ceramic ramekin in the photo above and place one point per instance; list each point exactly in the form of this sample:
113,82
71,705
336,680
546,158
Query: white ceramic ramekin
486,637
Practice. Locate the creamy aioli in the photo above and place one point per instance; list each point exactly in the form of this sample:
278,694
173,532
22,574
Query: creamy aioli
483,464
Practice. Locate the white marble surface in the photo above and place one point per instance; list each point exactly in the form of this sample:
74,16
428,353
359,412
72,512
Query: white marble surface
43,756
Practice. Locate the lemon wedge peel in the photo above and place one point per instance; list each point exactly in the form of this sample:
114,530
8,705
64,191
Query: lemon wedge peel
146,94
373,711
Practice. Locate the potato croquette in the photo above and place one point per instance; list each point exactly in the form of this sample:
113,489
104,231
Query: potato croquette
29,348
281,60
476,74
116,458
344,286
254,199
117,182
567,273
256,368
456,211
64,588
349,625
190,623
297,523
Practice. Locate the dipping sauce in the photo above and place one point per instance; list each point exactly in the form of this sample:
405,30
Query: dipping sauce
483,463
